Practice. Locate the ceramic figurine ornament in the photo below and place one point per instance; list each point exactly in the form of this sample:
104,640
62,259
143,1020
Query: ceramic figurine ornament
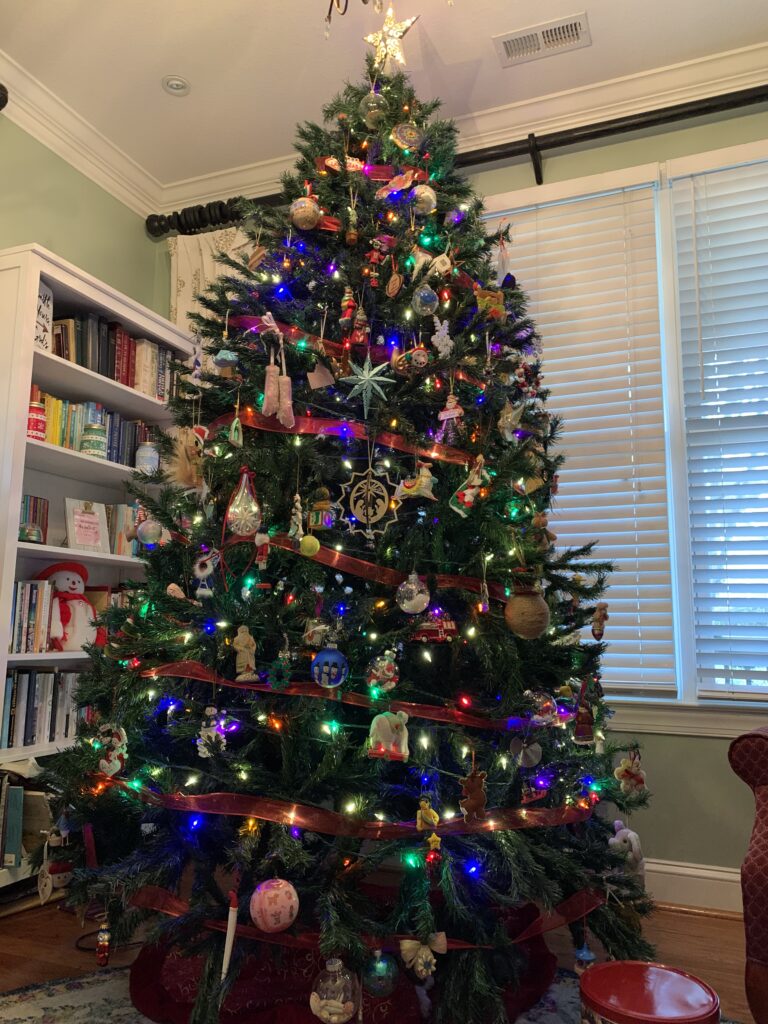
628,842
382,672
388,737
442,339
245,661
451,421
72,614
211,732
296,528
465,497
114,748
419,486
426,818
474,797
599,620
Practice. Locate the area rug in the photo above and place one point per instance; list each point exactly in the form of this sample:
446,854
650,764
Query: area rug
103,996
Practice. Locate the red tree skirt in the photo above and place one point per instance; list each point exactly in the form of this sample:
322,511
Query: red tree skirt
275,989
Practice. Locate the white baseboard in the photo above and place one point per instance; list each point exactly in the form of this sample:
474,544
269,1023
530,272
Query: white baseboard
694,885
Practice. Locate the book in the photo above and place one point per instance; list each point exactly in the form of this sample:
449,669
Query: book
30,711
12,827
12,717
5,781
102,361
5,728
112,350
55,700
36,819
44,703
21,707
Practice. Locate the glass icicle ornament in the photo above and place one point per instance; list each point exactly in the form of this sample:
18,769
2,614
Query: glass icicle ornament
243,512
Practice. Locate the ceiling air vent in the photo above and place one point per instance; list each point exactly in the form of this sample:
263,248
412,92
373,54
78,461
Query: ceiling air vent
543,40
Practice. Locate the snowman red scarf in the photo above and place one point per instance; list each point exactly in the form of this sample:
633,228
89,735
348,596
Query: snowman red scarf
68,580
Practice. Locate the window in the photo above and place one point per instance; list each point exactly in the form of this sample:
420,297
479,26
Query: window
721,247
588,267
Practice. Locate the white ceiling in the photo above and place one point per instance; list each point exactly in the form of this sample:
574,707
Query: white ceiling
259,66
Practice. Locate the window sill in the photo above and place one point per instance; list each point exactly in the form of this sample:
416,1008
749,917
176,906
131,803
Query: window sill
723,719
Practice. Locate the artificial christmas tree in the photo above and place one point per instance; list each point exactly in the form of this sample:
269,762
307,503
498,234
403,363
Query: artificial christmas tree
351,680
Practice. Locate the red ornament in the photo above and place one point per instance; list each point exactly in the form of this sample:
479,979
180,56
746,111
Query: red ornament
102,945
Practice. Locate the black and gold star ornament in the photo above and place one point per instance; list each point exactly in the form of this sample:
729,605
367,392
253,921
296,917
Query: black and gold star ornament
388,42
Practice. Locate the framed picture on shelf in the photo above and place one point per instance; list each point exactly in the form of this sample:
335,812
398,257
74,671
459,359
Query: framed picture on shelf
86,525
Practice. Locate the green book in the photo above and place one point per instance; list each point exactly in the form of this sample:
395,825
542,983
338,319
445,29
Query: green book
14,814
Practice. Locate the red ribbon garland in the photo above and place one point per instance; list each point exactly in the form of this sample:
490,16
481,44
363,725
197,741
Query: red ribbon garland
319,819
343,428
454,716
153,897
375,172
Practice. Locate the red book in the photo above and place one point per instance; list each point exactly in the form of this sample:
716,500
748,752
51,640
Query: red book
119,347
131,362
125,356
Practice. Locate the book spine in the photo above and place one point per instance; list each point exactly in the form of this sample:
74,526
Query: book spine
14,810
30,712
13,706
24,624
103,362
5,731
45,707
32,627
130,375
21,709
45,617
54,706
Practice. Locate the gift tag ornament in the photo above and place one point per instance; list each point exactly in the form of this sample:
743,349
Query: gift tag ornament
394,284
243,515
335,996
274,905
412,595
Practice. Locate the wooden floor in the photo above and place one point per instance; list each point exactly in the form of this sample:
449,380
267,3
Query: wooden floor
39,945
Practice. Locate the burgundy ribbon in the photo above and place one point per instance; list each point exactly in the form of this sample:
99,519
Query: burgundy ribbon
319,819
153,897
430,712
343,428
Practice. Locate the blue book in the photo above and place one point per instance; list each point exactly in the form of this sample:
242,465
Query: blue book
14,814
6,726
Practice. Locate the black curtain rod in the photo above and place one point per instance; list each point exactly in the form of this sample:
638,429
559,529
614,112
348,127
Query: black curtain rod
3,96
192,219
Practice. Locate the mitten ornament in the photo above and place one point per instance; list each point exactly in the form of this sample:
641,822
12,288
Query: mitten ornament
285,398
271,387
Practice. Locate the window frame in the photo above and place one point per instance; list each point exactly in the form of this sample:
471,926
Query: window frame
686,712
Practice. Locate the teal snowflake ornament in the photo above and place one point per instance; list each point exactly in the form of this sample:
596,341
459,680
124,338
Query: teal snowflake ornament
367,381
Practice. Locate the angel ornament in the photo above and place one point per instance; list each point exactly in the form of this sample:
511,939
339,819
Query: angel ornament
245,648
451,421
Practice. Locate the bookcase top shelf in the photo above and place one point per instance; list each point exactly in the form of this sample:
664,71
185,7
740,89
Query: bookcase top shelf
64,462
49,660
51,552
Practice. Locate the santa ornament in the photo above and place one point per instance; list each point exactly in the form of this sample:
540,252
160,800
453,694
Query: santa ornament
72,614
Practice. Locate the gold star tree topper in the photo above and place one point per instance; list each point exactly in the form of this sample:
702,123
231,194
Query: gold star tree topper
388,42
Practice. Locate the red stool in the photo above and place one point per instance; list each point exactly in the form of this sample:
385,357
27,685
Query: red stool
633,992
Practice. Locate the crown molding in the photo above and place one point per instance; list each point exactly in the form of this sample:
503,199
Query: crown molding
38,111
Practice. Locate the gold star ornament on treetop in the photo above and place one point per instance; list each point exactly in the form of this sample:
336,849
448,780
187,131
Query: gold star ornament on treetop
387,42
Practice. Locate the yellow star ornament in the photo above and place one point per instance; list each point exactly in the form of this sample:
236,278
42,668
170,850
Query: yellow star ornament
387,42
434,842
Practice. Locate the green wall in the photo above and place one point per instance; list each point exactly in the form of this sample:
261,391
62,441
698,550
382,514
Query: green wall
43,199
700,812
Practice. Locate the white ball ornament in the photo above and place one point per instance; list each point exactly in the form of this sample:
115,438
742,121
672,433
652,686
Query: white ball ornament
305,213
274,905
412,595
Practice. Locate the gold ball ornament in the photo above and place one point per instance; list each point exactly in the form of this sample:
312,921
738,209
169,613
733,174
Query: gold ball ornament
527,613
305,213
309,545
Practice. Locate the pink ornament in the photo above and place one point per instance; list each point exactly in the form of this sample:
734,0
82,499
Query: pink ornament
274,905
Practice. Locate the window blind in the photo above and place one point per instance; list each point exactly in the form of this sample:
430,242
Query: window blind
721,238
589,270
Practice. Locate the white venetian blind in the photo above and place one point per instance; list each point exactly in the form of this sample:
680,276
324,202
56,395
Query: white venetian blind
589,270
721,230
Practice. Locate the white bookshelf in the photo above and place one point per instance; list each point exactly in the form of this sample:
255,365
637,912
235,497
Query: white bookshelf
45,470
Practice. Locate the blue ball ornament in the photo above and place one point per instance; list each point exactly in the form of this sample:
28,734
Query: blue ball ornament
380,975
330,668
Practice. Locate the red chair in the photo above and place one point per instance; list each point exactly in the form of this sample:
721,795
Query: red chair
749,759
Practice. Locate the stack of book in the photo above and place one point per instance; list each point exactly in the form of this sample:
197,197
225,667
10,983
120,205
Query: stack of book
106,348
64,422
39,707
121,524
30,617
34,511
24,814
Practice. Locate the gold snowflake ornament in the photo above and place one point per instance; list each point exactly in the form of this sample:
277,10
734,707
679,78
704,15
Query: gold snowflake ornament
388,42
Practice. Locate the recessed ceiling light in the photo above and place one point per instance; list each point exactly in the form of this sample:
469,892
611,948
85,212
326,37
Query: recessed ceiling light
176,85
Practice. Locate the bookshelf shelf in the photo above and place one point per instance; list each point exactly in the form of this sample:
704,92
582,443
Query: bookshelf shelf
52,553
58,461
64,379
10,875
51,659
10,754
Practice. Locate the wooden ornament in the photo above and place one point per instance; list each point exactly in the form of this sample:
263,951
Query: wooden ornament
394,284
527,613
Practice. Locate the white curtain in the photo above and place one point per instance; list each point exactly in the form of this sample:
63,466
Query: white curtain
194,266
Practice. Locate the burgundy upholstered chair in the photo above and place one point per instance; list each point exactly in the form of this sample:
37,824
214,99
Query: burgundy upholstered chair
749,759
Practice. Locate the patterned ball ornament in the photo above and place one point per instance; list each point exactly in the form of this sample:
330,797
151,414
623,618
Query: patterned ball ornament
274,905
330,668
380,975
305,213
412,595
424,200
527,613
425,300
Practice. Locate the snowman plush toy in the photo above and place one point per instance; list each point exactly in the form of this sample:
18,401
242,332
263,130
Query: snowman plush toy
72,614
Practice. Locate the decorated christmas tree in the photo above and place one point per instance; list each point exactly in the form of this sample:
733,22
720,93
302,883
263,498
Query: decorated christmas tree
358,688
